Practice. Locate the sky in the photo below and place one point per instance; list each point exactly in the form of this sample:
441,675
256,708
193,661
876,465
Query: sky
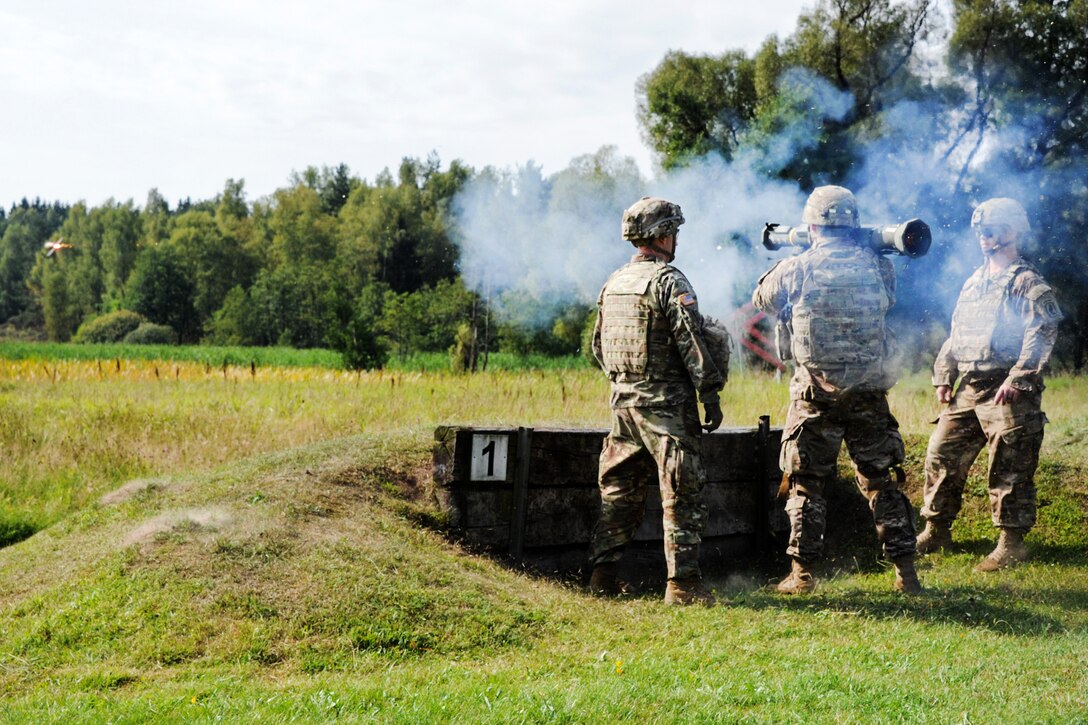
111,99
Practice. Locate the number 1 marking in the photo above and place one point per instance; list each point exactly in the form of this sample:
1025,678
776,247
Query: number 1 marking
489,451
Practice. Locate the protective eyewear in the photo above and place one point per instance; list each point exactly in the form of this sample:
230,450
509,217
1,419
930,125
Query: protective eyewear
991,230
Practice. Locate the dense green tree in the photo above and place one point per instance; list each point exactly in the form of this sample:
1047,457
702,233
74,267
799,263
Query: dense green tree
358,337
333,185
162,291
231,202
862,46
691,105
862,49
120,228
425,320
214,262
104,244
80,271
22,235
823,89
156,218
234,322
61,316
1028,61
18,245
295,306
399,234
297,228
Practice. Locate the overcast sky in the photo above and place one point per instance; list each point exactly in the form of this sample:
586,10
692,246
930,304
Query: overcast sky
111,98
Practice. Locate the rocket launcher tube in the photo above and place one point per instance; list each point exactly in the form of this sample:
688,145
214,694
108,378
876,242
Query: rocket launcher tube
909,239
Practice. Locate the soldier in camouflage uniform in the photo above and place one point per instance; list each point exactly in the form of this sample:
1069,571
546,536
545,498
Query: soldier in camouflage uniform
836,295
1003,331
658,352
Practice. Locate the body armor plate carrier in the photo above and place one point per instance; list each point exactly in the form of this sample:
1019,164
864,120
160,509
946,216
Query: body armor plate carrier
838,320
981,333
635,338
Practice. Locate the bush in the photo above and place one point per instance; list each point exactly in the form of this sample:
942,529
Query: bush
149,333
357,340
110,327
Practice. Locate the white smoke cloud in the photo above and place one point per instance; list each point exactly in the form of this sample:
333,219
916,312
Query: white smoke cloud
557,239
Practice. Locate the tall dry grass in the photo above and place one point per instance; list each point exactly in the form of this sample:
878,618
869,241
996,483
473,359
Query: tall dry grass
72,430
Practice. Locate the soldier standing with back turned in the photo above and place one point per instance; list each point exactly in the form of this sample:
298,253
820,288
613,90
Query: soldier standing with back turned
839,291
1003,331
658,352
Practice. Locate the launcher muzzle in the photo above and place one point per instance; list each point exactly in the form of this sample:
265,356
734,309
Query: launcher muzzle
910,239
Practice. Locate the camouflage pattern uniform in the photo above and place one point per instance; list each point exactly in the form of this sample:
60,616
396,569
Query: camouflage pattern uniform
837,293
1003,329
658,351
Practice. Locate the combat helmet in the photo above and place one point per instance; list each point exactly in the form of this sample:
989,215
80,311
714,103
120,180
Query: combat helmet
651,217
1001,210
831,206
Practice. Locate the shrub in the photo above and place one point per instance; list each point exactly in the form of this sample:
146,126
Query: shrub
110,327
148,333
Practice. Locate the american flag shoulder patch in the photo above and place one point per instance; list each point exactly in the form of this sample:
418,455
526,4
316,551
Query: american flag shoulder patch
687,299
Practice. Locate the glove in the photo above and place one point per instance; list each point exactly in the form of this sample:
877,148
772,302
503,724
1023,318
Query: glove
714,416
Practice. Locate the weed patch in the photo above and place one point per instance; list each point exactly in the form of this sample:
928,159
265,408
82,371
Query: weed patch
14,530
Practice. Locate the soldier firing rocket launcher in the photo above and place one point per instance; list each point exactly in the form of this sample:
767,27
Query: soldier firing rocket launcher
909,239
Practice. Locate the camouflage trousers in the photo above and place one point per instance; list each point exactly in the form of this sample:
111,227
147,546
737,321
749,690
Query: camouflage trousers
813,434
1014,434
648,444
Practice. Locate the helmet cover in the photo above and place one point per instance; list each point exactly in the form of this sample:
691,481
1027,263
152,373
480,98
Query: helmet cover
831,206
1001,210
651,217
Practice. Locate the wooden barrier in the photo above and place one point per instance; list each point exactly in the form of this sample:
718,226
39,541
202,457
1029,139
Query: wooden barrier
532,493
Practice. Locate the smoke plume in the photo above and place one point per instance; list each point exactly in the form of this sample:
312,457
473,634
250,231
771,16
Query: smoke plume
557,239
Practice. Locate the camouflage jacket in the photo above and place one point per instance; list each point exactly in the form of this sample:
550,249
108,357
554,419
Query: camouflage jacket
650,338
835,296
1003,325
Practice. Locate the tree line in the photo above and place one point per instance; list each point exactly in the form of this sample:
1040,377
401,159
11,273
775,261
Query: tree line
951,109
369,269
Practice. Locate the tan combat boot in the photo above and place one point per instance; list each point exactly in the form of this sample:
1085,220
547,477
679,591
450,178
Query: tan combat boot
800,580
906,577
688,591
604,583
1010,551
934,537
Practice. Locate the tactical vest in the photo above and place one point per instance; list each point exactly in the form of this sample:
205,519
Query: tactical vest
838,319
981,333
636,342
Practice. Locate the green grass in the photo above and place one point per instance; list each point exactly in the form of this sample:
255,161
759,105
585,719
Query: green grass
296,586
263,357
203,354
72,431
290,579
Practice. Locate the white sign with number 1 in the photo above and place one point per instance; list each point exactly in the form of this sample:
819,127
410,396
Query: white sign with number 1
489,453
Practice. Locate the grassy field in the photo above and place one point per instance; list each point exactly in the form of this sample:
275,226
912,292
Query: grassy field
264,357
72,430
230,544
202,354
